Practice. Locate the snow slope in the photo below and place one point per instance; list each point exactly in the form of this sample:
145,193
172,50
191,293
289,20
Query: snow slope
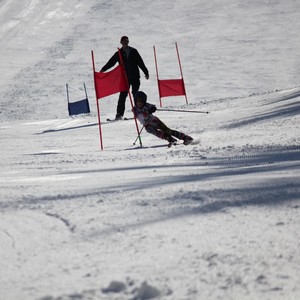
218,219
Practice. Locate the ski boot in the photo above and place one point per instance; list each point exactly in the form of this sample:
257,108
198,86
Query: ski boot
187,140
171,141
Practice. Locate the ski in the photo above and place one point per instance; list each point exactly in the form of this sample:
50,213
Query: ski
186,143
169,145
172,144
114,120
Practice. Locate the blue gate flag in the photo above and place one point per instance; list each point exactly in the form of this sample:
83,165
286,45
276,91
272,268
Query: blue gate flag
79,107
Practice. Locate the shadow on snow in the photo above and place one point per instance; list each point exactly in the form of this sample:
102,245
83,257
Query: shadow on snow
264,190
286,110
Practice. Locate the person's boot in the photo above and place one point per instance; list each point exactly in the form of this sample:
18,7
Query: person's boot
187,140
171,141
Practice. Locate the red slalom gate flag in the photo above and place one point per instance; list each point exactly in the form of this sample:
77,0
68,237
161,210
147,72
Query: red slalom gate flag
171,87
111,82
106,84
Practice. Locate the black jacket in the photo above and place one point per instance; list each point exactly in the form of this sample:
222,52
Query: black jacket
132,63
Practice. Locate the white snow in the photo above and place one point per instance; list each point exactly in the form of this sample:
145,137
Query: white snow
218,219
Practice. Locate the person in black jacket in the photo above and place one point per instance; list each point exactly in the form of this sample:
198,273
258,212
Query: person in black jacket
132,62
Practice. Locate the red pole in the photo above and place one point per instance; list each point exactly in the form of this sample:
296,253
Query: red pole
157,75
181,72
130,97
97,102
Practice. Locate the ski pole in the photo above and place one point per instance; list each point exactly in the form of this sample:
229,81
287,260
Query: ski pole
138,135
188,111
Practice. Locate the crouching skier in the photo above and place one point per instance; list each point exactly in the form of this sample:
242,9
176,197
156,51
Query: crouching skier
144,113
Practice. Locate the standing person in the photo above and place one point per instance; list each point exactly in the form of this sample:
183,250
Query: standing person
132,62
144,113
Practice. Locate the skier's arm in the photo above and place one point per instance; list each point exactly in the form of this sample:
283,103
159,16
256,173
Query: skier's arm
142,65
112,61
152,108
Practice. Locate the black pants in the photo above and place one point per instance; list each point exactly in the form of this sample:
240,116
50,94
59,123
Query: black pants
161,130
135,85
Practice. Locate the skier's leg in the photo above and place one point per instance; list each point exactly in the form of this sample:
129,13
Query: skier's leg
121,104
173,133
177,134
135,85
159,133
153,130
181,136
168,132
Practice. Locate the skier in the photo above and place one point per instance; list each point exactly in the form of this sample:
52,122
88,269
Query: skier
132,63
143,111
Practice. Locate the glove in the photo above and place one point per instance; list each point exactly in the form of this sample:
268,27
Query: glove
152,109
147,76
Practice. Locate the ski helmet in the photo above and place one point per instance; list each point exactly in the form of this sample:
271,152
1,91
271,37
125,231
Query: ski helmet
141,95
